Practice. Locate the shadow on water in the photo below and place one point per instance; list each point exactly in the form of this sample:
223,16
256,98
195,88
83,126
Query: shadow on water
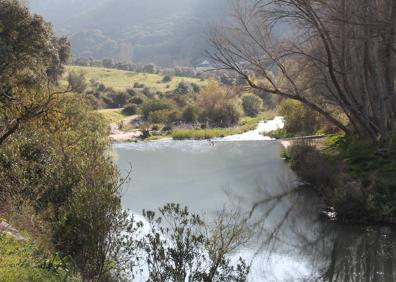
332,251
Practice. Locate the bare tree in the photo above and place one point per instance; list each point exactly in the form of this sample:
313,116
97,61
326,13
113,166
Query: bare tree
328,55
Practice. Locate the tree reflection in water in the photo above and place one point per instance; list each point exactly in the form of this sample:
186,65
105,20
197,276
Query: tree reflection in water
288,223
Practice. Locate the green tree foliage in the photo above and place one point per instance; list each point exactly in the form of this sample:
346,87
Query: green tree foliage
218,106
31,59
130,109
60,165
190,114
299,119
154,105
77,82
252,105
183,88
167,78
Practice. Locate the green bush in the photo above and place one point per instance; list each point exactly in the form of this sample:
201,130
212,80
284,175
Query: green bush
137,100
24,261
190,114
225,116
130,109
300,120
154,105
163,116
183,88
166,79
60,164
252,104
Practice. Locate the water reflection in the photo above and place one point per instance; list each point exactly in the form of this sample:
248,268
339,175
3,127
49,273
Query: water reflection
290,241
335,251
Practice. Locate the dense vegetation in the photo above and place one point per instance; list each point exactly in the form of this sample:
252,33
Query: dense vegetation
59,185
337,75
181,107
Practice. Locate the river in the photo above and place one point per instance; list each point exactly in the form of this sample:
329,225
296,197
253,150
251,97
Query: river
245,173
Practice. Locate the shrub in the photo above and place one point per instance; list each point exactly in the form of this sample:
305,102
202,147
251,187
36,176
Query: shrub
196,88
252,105
130,109
190,114
138,85
218,105
225,116
77,82
131,92
137,100
150,68
163,116
148,92
166,79
155,105
183,88
118,99
299,120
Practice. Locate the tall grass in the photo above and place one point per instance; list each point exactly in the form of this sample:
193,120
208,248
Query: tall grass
247,124
201,134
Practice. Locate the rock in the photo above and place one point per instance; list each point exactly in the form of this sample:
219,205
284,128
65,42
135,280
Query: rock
329,213
10,231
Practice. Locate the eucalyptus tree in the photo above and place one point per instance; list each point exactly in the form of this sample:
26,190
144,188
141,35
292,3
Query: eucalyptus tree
333,56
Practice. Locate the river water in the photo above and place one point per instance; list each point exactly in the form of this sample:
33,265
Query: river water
245,173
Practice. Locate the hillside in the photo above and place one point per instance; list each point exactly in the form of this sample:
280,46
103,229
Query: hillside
167,32
121,80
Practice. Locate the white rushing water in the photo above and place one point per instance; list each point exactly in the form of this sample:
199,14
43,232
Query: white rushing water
257,134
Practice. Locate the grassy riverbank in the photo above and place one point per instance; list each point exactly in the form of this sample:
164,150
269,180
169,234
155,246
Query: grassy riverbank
246,124
354,177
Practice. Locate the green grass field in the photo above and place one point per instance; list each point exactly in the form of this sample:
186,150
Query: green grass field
121,80
112,115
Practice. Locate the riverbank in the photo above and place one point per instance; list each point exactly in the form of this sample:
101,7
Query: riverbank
129,129
356,179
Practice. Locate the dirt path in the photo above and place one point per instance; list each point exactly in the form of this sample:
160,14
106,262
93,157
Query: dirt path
118,135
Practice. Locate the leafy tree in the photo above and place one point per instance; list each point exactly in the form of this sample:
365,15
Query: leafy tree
252,105
130,109
77,81
217,105
190,114
155,105
31,59
338,54
108,63
167,78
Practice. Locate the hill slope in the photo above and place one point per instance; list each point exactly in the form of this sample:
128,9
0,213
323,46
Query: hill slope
165,32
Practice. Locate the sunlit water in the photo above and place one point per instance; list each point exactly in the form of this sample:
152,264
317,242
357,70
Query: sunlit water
237,173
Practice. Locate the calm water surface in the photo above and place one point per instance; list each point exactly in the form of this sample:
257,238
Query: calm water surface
292,242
